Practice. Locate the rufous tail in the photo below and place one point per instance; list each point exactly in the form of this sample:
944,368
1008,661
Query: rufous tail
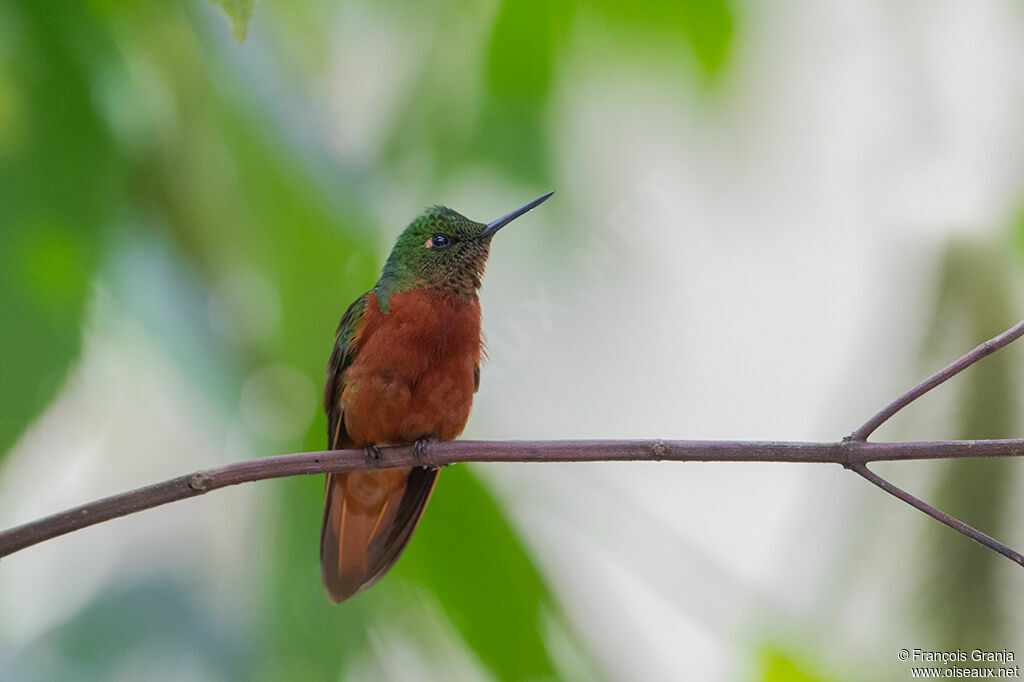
369,516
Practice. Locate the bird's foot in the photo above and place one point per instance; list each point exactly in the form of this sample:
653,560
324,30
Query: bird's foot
419,451
372,453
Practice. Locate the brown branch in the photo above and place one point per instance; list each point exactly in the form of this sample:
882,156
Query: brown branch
853,453
847,453
954,523
943,375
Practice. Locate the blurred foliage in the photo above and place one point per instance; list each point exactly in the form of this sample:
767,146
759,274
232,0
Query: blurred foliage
60,183
158,630
240,13
705,26
962,600
1019,232
490,590
521,61
135,138
447,127
778,664
464,553
959,599
140,147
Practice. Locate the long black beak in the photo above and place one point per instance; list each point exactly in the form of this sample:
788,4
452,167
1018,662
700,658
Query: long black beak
506,219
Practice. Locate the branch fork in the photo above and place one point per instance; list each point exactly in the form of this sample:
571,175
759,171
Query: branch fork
861,435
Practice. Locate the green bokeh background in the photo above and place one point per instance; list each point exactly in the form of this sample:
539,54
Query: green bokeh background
139,136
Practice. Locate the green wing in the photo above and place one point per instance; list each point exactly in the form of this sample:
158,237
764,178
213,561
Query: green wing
341,357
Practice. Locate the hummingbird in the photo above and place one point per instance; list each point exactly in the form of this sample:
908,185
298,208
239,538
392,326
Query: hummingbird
404,369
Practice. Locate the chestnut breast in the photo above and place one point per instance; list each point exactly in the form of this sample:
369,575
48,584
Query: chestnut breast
414,370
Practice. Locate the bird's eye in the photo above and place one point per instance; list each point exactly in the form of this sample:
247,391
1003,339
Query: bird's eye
440,242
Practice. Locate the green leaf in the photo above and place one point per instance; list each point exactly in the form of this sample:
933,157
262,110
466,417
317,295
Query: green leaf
58,190
465,552
43,285
525,44
305,636
240,14
707,27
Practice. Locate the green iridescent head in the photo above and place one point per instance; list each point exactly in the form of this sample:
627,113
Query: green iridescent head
443,249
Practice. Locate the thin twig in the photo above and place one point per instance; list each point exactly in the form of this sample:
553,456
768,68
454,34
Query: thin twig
941,516
846,453
948,372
